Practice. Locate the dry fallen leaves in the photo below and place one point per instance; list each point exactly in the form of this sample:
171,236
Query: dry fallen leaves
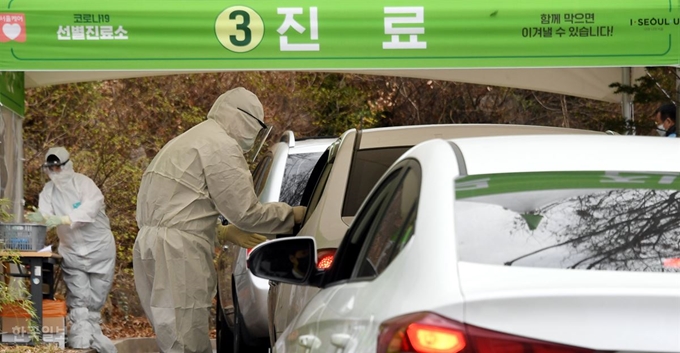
123,328
47,348
22,349
119,328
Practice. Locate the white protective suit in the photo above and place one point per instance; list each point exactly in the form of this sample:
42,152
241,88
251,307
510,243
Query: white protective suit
87,247
194,178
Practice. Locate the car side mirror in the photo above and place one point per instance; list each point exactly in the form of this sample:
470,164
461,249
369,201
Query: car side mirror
288,260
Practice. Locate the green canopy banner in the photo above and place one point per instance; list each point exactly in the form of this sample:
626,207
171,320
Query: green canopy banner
336,35
493,184
12,91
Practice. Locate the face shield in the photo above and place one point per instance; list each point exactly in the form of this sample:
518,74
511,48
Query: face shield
259,140
53,164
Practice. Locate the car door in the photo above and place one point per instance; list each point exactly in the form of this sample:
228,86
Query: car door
381,230
282,304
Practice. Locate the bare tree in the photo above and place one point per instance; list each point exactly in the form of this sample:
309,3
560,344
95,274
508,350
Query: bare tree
623,229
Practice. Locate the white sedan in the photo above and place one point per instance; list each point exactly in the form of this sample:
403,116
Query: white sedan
551,244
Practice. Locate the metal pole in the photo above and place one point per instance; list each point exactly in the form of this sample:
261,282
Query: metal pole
36,292
626,100
18,122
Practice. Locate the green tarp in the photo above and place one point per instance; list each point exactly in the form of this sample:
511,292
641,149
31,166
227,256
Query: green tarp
493,184
12,91
348,34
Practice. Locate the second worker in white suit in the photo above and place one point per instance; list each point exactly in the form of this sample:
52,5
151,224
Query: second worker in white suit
73,204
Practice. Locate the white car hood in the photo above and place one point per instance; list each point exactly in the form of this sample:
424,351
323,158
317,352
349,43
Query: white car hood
604,310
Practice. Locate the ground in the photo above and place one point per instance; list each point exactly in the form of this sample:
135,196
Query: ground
122,315
42,349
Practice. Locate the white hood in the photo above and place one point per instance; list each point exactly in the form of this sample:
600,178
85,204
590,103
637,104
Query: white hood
237,111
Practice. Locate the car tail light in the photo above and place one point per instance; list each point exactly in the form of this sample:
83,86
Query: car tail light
490,341
248,254
671,263
324,259
420,333
431,333
426,338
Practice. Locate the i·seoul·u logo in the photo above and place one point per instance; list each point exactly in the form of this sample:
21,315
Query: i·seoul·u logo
12,27
239,29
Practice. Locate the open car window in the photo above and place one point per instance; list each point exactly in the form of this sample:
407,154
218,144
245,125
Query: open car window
614,221
261,173
317,180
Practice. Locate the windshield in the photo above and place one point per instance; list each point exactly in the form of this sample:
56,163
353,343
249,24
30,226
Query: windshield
575,220
298,169
367,168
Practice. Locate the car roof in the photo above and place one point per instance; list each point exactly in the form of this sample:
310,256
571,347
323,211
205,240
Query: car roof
412,135
311,145
506,154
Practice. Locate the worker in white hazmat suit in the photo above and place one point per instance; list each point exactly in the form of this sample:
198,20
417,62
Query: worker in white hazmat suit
192,180
73,204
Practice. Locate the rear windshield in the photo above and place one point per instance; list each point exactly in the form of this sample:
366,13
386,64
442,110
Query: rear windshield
298,169
576,220
367,168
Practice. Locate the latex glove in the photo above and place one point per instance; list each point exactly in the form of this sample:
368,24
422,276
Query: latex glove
243,239
35,217
53,221
299,213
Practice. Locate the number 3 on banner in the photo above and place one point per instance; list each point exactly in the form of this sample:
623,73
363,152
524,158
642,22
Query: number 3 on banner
239,29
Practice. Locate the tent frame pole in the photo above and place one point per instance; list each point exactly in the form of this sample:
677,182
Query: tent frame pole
627,101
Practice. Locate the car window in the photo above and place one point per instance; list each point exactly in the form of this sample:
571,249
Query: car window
318,190
612,221
317,181
298,169
392,228
368,165
351,245
261,173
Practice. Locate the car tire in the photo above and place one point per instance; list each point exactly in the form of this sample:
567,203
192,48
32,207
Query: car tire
224,338
271,308
240,334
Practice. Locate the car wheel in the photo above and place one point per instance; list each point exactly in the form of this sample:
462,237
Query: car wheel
239,333
224,339
271,308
